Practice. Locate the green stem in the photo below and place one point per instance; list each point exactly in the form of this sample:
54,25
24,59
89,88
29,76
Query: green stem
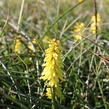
53,96
80,59
101,91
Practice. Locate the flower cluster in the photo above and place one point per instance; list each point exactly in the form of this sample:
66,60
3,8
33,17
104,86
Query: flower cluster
17,48
95,22
80,0
34,41
53,69
58,92
78,31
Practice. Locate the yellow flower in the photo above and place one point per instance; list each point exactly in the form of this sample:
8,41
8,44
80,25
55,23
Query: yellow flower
58,93
46,39
53,66
80,0
93,25
34,41
78,37
18,46
93,19
78,31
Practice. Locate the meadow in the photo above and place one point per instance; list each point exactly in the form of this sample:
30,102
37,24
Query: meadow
54,54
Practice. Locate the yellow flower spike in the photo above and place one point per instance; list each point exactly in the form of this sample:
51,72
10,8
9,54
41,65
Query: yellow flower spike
58,93
53,67
46,39
93,19
34,41
78,37
80,0
93,25
18,46
49,93
79,27
78,31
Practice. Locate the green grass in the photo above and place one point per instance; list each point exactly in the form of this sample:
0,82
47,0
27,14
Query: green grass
86,62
